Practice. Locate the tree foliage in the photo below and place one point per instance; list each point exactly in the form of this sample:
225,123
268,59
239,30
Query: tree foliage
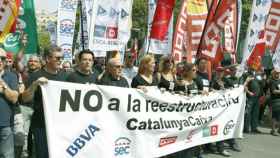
44,39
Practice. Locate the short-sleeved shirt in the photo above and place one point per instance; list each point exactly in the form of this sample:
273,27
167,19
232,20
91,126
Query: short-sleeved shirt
6,107
78,77
253,86
37,120
109,80
138,80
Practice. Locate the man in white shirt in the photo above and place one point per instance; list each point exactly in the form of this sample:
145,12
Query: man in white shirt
129,70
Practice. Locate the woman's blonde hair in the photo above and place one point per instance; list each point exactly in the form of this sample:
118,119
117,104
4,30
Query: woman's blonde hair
144,61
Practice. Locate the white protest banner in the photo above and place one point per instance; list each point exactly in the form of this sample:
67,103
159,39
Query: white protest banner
110,24
66,26
156,46
86,121
254,37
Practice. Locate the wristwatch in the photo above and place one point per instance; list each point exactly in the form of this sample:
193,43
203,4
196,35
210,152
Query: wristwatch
5,87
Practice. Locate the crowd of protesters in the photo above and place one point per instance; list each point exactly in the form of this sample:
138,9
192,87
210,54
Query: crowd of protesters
22,125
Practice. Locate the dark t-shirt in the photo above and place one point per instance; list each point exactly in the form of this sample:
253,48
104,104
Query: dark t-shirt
275,85
108,80
78,77
230,81
189,89
164,83
138,80
6,107
37,120
253,86
202,81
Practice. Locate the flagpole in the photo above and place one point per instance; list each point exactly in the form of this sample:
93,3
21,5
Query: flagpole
82,25
149,42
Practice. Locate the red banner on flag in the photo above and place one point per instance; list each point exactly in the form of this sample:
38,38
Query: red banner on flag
162,18
189,28
258,51
210,44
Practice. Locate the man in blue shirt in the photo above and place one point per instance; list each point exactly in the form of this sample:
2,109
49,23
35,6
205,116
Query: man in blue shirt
8,98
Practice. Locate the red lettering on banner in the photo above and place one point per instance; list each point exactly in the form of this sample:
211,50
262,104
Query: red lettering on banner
272,26
167,141
112,32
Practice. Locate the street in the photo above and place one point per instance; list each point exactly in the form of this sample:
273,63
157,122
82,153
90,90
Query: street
256,146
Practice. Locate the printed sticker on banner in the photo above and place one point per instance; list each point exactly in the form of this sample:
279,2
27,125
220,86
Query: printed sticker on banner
67,27
167,141
82,141
122,146
112,32
228,127
69,5
99,31
210,131
66,50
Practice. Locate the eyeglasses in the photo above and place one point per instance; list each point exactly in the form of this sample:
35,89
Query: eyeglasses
3,58
194,70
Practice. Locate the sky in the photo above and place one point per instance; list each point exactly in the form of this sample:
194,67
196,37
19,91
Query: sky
48,5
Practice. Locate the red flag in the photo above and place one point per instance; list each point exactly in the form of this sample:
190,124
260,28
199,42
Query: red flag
189,28
162,18
257,52
210,42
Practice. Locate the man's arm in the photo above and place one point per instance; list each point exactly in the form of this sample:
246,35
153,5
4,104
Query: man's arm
10,94
28,94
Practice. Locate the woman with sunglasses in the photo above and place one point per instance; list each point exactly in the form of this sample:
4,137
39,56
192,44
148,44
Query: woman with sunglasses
187,84
166,74
145,75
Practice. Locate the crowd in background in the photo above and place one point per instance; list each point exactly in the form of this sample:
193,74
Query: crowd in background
22,125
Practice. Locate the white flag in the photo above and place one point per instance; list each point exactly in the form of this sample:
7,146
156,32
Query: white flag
256,26
110,24
66,26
